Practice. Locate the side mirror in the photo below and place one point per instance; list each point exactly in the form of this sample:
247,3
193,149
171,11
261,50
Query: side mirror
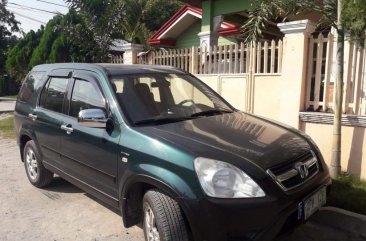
94,118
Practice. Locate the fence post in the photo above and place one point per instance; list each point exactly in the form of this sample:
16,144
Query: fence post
193,61
131,51
294,66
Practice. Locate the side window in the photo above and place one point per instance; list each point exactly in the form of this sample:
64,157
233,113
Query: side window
53,95
30,85
85,96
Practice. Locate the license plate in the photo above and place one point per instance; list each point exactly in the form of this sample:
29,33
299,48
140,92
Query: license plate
310,205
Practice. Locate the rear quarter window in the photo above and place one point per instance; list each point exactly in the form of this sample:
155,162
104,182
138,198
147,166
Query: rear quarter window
30,85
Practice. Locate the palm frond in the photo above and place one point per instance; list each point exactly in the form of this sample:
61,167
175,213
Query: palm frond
266,11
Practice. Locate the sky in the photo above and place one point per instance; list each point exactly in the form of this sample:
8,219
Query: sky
33,13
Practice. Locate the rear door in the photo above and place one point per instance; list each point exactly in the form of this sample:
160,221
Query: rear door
89,154
48,115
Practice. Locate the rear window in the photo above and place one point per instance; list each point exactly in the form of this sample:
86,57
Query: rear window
30,84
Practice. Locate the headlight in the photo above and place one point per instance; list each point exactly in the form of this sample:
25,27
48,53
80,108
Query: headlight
223,180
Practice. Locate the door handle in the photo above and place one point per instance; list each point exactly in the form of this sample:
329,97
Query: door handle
68,128
33,117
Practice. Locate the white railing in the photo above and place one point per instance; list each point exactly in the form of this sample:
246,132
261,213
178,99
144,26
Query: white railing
116,59
263,57
321,76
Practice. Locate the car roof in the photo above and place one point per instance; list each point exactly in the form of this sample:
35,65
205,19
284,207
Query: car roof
112,69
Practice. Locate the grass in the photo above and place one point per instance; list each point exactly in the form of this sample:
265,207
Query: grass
348,192
7,128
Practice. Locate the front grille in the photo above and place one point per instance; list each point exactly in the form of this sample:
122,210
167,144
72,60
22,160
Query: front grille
295,173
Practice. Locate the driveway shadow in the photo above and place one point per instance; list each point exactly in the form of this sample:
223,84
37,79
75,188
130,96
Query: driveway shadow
62,186
106,205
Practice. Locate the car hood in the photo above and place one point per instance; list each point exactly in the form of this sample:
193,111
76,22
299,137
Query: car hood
250,138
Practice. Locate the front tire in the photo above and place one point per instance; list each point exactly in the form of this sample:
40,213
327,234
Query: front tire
37,174
162,218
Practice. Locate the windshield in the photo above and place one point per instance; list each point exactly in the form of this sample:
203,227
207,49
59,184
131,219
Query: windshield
161,98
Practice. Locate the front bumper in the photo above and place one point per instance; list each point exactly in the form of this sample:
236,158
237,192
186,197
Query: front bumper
214,219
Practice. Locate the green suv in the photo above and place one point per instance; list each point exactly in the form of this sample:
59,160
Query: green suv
167,151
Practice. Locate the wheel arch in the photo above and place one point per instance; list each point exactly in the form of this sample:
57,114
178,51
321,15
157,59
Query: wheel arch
24,137
132,194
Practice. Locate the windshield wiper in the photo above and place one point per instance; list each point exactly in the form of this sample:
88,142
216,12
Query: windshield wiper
211,112
160,120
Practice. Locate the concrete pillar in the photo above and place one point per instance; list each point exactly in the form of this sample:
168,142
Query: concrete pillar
131,52
208,38
294,69
210,25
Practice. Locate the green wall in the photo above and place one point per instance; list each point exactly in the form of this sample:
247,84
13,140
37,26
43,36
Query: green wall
222,7
189,37
212,8
207,10
226,41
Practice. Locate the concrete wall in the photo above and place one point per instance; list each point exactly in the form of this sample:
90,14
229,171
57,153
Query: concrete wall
267,95
263,98
353,145
233,88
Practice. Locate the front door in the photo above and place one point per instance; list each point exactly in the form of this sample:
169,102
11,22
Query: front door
89,154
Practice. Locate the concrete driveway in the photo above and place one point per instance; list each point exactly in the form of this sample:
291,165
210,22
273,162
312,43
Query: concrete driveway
60,212
64,212
6,105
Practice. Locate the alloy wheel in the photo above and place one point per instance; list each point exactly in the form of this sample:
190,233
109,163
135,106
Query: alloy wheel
151,230
32,164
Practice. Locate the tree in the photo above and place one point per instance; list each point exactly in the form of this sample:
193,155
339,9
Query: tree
8,24
42,52
143,17
85,33
342,15
98,20
17,63
354,19
131,20
54,43
157,12
81,41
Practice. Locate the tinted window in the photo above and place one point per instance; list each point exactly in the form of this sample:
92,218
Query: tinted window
54,93
30,85
85,95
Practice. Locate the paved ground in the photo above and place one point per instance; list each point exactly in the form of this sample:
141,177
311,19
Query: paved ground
7,106
64,212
